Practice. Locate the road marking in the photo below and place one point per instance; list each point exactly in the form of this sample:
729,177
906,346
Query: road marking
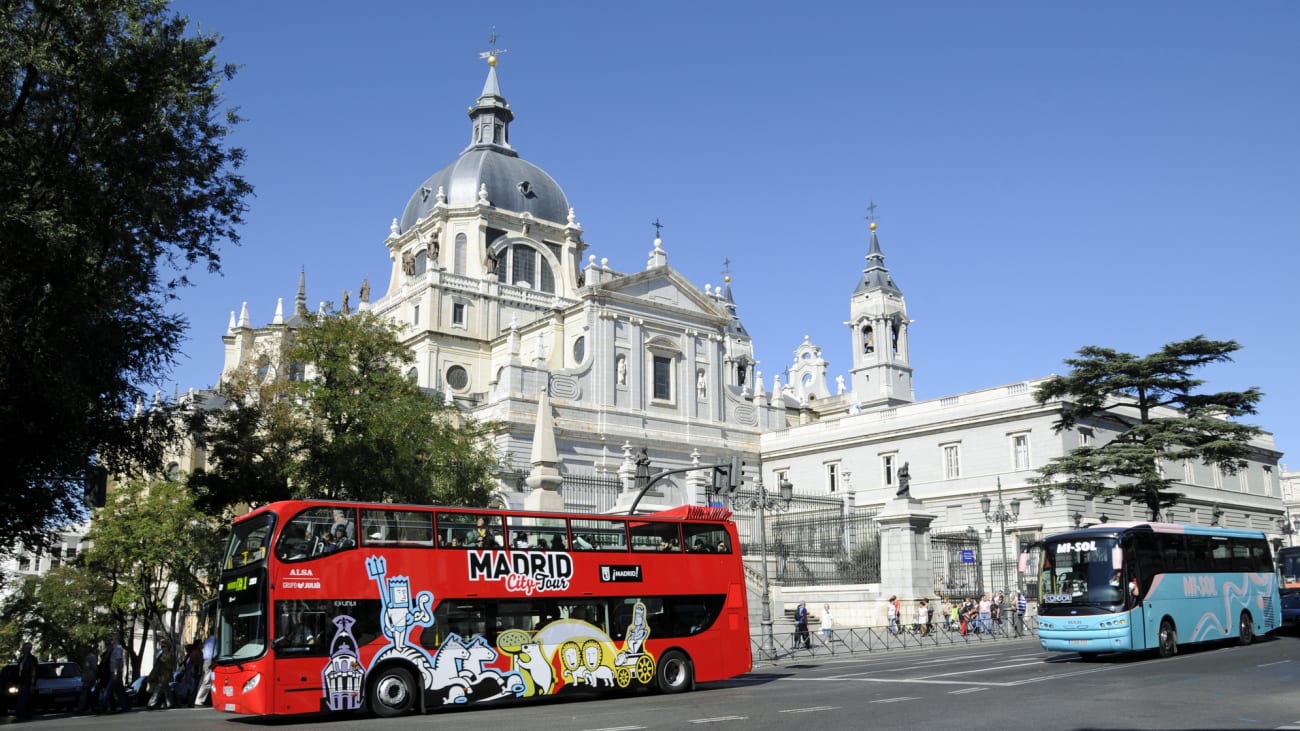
719,719
965,690
931,680
1269,664
812,709
617,728
896,700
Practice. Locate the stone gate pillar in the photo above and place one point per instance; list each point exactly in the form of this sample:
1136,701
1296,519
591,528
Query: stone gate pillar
906,568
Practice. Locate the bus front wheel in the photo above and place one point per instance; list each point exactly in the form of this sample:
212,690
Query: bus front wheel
392,692
1246,629
674,672
1168,646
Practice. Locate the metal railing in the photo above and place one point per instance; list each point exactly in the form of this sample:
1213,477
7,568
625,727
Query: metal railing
850,640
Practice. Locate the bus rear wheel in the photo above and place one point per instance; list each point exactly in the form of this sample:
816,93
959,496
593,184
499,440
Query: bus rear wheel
674,672
1245,629
392,692
1168,646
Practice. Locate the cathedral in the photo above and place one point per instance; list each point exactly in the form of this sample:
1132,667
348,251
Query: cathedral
509,317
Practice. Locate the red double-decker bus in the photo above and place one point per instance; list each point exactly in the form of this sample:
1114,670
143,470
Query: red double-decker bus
343,607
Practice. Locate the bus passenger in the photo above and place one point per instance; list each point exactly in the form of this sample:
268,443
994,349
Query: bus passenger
582,543
521,541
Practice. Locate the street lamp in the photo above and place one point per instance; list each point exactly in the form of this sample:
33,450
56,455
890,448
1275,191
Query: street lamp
1289,527
1001,515
761,502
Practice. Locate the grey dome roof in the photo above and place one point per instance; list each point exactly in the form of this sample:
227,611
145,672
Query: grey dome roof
513,184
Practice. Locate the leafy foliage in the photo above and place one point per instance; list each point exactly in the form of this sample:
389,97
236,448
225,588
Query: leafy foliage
59,612
356,429
160,555
114,182
1150,400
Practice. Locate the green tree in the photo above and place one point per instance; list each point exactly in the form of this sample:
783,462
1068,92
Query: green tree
60,612
1150,401
252,442
357,429
114,183
160,555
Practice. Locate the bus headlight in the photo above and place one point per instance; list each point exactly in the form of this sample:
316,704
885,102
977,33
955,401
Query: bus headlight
252,683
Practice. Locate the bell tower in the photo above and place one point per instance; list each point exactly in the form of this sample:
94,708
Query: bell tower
882,369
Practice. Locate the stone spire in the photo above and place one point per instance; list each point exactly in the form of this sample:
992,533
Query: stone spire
544,477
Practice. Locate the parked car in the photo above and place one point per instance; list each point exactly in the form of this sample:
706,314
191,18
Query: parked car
138,691
8,689
58,686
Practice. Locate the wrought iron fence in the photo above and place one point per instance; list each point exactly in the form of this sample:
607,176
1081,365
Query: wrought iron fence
591,492
813,542
850,640
956,559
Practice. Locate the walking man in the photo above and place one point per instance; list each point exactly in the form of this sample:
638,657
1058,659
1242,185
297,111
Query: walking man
205,683
828,624
1022,605
26,683
801,627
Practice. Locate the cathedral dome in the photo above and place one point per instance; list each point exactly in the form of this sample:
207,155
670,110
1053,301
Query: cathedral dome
512,184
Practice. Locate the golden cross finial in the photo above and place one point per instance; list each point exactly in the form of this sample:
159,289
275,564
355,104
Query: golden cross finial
492,52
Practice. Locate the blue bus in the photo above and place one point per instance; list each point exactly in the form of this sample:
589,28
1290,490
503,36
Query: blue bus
1122,587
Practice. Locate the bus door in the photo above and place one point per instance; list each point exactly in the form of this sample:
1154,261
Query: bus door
1139,632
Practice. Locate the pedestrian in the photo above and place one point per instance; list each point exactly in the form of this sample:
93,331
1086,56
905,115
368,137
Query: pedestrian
205,683
923,617
26,683
986,614
112,697
1022,606
891,612
801,627
89,680
160,677
828,624
995,611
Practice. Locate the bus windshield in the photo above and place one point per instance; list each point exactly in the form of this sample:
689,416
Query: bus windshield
242,616
248,541
1288,569
1081,572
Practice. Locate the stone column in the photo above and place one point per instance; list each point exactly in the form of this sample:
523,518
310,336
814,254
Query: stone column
905,565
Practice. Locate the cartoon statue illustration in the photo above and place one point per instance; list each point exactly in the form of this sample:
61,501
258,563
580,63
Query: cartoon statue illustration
534,661
343,676
446,674
632,659
395,592
637,632
487,683
597,672
573,673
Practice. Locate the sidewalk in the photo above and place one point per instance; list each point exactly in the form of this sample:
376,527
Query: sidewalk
849,641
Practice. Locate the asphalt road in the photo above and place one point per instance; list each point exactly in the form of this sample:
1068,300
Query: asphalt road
1011,684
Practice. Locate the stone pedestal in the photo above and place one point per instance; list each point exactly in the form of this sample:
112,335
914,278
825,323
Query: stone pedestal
544,500
906,568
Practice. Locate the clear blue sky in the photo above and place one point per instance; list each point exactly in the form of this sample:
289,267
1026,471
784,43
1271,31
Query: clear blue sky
1048,175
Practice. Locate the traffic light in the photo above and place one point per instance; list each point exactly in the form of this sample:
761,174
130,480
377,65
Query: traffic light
737,473
95,485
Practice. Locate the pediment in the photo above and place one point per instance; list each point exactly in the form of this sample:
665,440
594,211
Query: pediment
664,287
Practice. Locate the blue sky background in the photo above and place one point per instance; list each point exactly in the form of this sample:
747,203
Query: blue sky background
1048,175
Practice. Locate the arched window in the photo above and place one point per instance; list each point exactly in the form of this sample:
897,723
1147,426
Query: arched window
458,263
524,266
868,340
